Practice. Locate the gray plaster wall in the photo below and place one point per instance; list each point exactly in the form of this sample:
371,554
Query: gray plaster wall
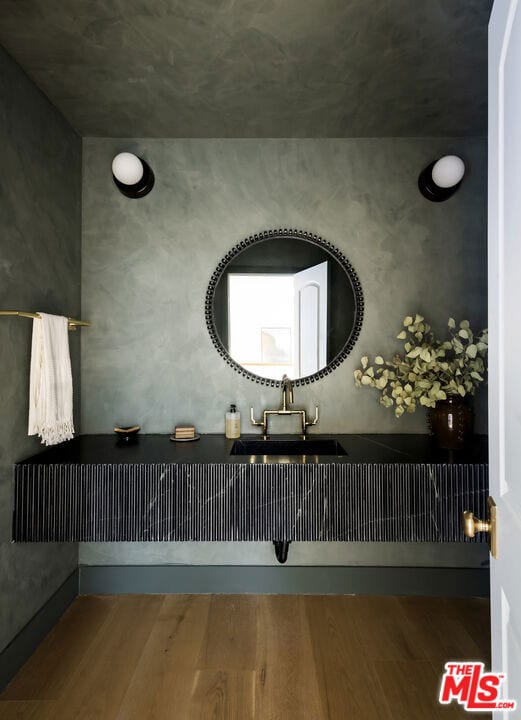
148,358
257,68
40,244
300,553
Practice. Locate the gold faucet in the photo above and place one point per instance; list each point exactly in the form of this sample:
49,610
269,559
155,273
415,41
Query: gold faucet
285,409
287,393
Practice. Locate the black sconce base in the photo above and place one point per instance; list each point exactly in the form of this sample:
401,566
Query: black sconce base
430,190
140,189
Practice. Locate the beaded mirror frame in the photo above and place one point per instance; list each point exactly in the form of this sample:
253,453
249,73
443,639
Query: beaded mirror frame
297,235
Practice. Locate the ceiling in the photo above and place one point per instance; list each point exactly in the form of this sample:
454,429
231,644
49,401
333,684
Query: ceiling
256,68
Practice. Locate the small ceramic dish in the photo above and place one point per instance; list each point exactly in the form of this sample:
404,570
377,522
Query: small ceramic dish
174,439
127,434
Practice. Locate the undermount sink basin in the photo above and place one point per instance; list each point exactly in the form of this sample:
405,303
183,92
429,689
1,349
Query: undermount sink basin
310,446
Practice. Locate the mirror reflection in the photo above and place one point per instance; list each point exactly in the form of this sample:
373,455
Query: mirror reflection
285,305
277,323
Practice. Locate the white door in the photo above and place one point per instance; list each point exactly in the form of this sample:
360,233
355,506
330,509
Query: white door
505,338
311,319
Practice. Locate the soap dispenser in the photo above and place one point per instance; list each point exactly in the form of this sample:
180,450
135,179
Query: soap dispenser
233,423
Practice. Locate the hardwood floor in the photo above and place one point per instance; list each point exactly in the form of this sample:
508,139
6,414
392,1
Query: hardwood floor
244,657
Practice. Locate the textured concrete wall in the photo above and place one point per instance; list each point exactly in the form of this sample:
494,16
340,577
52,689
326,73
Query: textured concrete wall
146,265
40,211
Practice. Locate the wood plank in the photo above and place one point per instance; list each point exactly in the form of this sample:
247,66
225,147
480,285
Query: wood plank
49,668
347,683
97,688
474,617
231,634
286,685
382,630
166,672
441,627
223,695
26,709
266,657
411,689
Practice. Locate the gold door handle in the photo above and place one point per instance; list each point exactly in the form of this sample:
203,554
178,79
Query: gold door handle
473,525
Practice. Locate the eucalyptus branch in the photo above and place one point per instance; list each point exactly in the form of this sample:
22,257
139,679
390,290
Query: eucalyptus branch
429,369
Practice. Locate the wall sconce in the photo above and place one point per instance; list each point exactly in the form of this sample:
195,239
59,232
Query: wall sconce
442,178
132,175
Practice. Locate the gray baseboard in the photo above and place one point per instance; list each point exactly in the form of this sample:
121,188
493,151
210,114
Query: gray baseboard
25,643
450,582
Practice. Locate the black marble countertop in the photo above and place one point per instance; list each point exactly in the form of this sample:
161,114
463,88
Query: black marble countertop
215,448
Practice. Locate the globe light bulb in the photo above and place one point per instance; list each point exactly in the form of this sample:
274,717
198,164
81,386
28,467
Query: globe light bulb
448,171
127,168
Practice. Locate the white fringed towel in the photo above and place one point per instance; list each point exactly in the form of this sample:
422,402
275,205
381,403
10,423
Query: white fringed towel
50,394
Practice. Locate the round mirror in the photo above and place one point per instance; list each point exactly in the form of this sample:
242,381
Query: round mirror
284,302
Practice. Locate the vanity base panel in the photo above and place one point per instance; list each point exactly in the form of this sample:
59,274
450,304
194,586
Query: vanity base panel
384,502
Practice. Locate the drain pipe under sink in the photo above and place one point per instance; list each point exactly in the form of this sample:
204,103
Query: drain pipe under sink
281,550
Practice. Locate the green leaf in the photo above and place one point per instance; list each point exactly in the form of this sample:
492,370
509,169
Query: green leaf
407,321
472,351
402,335
364,361
463,333
379,360
452,323
458,347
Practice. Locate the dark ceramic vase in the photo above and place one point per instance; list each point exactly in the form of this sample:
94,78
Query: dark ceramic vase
451,422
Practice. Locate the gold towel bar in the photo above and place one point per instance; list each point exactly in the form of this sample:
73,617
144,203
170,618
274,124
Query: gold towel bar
73,324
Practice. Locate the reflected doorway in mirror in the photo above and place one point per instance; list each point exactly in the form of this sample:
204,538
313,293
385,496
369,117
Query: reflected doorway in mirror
277,324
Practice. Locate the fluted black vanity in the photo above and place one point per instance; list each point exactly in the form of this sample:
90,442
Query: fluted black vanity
386,488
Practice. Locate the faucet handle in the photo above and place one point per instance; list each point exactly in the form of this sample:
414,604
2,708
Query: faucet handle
263,423
253,421
315,420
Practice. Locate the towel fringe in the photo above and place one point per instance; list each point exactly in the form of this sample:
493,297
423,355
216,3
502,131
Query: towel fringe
52,435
